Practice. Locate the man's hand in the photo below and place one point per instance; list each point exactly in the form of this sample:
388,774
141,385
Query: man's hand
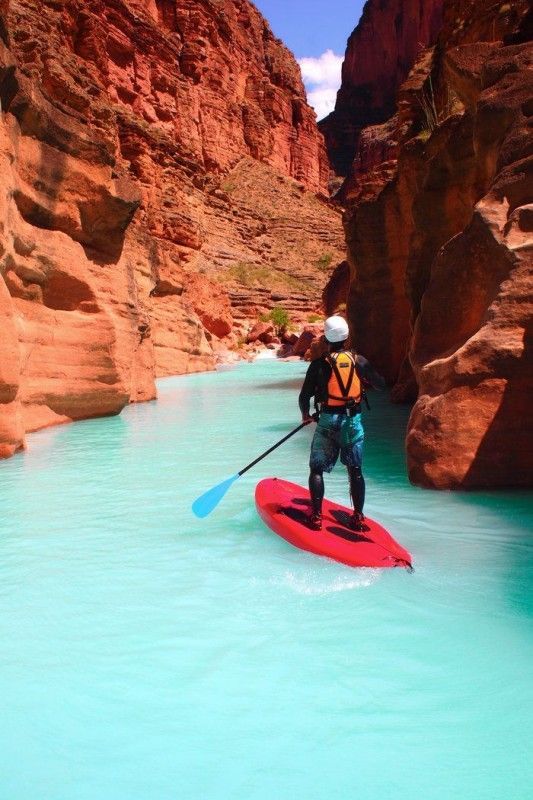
307,418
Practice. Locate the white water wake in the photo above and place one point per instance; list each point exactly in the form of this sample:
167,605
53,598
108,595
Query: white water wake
314,582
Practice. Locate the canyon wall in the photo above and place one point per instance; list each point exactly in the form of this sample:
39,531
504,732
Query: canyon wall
140,143
439,211
380,53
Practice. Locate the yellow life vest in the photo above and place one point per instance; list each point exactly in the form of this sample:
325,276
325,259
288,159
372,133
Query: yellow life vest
344,386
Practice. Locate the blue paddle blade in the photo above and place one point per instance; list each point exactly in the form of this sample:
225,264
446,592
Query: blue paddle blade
204,504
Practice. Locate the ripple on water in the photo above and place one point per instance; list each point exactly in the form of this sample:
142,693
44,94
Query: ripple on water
314,582
147,655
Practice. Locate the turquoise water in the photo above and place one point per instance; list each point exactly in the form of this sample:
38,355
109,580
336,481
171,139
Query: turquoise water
149,656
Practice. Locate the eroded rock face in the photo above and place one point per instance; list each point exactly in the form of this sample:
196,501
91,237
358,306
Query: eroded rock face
440,240
379,55
120,121
270,242
471,348
336,290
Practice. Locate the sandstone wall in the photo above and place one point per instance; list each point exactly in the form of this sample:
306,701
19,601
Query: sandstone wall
438,225
379,55
120,123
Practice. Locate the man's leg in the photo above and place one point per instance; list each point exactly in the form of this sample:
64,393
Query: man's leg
316,488
352,458
324,454
357,488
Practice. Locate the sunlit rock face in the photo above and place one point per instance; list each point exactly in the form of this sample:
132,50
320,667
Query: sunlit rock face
380,53
439,202
120,121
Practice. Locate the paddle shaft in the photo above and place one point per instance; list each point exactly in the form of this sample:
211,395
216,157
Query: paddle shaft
270,449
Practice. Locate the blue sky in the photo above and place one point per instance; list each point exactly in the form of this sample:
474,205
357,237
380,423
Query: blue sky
316,31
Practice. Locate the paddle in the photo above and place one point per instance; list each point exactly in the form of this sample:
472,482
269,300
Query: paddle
204,504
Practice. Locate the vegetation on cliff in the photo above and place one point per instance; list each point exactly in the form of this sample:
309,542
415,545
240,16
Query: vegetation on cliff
439,233
145,146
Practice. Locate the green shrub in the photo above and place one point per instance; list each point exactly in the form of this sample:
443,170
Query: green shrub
248,274
280,318
239,271
324,261
424,135
314,318
436,107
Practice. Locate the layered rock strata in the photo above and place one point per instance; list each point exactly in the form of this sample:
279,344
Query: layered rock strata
440,237
120,123
271,243
380,53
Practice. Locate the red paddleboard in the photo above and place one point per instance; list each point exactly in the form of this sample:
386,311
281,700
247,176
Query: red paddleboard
285,508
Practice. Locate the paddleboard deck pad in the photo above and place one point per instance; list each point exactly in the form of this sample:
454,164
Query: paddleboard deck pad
285,507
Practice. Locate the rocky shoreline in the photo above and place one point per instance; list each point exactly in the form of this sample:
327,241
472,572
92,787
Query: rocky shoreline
262,342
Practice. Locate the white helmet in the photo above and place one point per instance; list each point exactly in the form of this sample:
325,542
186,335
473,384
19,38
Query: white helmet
336,329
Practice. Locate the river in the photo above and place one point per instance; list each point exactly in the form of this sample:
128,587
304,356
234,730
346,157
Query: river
147,655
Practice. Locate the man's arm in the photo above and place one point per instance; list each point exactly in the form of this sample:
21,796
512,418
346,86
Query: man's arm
369,374
309,388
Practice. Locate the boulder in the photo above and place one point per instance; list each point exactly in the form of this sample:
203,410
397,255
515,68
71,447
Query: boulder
319,347
261,332
306,338
289,338
285,351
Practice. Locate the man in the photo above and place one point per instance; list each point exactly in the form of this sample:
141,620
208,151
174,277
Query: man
336,381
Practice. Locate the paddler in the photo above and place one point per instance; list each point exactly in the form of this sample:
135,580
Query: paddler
336,380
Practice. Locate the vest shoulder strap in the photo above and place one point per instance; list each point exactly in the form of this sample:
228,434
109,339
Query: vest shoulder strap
343,386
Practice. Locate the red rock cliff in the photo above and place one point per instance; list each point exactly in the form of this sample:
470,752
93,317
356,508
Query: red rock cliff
379,55
120,122
440,236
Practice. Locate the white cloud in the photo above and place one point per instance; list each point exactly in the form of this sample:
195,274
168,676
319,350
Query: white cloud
322,78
